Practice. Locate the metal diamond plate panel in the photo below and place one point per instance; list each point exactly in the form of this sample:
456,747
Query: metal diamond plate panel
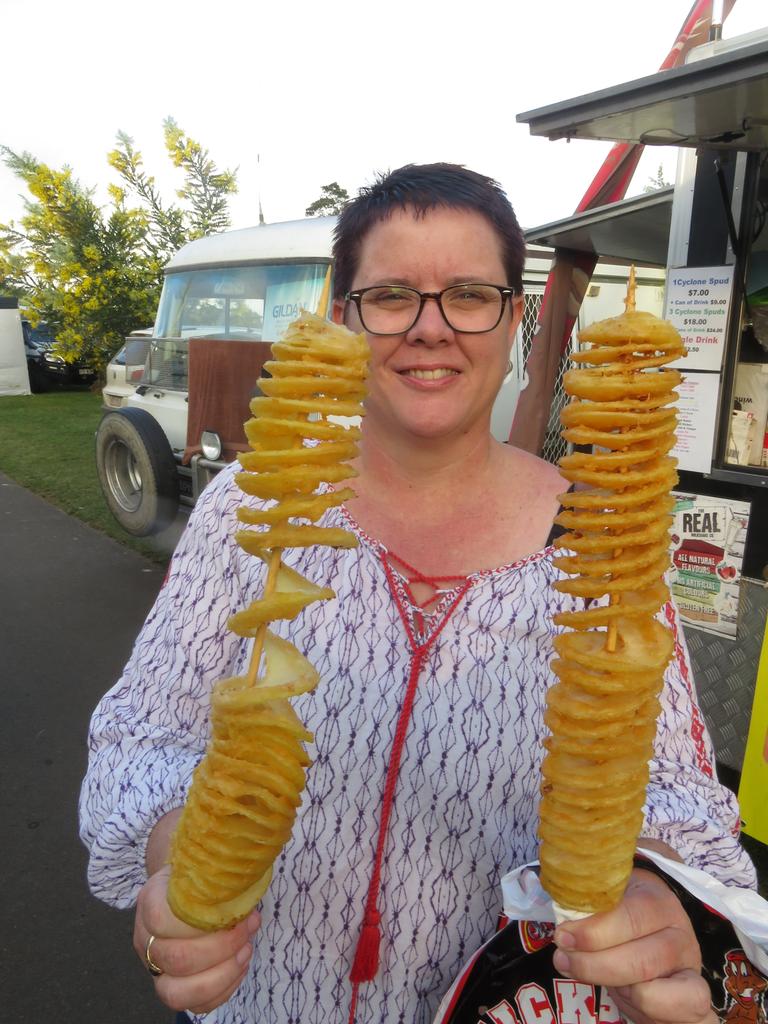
725,670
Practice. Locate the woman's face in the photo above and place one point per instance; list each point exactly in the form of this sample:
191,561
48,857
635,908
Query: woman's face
433,381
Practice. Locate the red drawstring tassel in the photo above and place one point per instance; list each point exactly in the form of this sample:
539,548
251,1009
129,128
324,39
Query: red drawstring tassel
366,962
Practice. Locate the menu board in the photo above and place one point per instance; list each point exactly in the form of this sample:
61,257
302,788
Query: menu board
696,421
708,537
698,301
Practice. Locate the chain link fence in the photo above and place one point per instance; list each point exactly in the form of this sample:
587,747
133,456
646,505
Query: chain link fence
554,445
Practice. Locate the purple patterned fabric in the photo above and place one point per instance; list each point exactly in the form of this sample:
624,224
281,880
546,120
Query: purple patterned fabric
465,808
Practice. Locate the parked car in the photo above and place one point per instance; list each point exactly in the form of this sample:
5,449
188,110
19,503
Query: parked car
125,369
46,369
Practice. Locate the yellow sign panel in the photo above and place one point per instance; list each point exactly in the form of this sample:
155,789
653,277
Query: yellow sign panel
753,791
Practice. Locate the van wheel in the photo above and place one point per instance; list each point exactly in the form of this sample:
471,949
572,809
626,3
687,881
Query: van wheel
137,471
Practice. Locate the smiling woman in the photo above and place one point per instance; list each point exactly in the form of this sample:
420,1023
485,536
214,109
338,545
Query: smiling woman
441,328
433,662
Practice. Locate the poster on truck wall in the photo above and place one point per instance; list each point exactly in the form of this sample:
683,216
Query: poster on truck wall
754,772
708,537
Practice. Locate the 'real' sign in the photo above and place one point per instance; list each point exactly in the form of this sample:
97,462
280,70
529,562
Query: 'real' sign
708,538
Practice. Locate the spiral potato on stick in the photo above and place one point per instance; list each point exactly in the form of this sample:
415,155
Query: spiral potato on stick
611,658
242,805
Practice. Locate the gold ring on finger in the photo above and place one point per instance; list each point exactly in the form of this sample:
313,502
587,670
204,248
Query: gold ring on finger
152,967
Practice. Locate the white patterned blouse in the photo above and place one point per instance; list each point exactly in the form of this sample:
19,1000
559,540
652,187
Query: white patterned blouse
465,805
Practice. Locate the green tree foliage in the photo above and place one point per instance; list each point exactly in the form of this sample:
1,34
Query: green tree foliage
205,188
94,273
206,191
332,198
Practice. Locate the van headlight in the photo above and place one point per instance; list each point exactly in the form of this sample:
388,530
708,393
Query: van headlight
210,442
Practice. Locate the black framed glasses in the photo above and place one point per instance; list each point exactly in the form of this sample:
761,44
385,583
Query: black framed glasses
467,308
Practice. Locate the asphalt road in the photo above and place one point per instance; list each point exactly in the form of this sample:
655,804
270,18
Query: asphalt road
71,603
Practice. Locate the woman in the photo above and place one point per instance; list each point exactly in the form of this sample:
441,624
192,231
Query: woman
446,605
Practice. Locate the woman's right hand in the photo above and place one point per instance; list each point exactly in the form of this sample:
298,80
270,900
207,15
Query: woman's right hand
201,970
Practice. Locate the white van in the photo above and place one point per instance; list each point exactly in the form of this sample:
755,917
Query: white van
125,369
225,299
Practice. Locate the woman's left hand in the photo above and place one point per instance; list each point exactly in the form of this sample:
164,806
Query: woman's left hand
644,952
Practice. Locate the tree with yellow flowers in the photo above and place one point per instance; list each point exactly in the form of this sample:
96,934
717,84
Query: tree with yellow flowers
91,273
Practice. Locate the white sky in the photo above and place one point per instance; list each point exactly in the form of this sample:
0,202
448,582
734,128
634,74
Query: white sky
327,91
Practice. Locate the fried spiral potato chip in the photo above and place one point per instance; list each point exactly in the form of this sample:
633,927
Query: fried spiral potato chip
605,540
310,507
602,711
631,436
622,520
600,386
646,451
242,805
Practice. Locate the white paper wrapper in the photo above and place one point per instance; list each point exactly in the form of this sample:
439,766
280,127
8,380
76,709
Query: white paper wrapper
525,899
563,914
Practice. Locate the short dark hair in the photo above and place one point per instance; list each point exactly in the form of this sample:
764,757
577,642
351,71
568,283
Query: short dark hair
423,187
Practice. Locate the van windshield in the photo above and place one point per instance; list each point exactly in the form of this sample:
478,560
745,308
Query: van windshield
237,302
254,303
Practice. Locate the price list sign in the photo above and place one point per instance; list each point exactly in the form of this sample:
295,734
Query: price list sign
698,303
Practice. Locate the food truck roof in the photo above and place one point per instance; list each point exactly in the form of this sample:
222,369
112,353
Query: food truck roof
718,99
293,240
632,230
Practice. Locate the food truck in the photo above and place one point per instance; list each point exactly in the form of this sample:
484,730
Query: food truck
225,298
709,231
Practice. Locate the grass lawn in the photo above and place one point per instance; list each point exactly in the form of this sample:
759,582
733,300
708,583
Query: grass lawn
47,446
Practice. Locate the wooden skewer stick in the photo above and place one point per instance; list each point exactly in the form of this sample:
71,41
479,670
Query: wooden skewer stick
630,301
261,633
325,294
276,554
629,307
610,643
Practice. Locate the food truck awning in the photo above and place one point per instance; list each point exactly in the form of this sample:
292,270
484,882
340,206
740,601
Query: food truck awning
635,230
719,101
